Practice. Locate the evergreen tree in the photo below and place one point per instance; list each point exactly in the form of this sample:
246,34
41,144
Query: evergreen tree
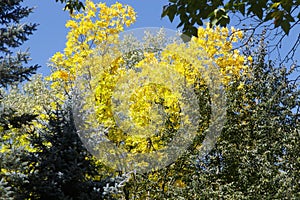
13,33
61,167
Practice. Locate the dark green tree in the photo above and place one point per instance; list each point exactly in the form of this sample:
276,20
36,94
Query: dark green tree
13,70
61,167
72,5
193,13
13,33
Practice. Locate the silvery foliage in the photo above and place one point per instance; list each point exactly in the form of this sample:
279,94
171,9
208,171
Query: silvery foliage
119,182
5,190
134,44
30,96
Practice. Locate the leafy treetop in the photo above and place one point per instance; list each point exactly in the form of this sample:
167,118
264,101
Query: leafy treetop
72,5
194,12
92,52
12,35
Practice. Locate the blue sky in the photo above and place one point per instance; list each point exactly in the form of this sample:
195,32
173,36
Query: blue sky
51,34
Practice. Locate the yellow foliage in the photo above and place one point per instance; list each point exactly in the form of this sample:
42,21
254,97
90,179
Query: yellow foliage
217,45
13,138
97,26
91,50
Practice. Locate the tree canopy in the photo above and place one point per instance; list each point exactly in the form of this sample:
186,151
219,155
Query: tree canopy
193,13
93,55
111,88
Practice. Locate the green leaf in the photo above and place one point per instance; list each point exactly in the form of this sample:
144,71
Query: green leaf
268,16
286,26
258,11
287,5
224,20
184,17
220,13
165,11
278,16
289,18
229,5
171,12
242,8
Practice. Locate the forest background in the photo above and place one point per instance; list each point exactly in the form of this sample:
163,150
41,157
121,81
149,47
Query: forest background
257,154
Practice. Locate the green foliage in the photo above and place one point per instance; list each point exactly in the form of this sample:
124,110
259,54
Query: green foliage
10,120
195,12
5,192
13,33
60,167
72,5
49,162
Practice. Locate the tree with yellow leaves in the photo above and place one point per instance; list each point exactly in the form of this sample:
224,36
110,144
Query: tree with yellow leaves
96,59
